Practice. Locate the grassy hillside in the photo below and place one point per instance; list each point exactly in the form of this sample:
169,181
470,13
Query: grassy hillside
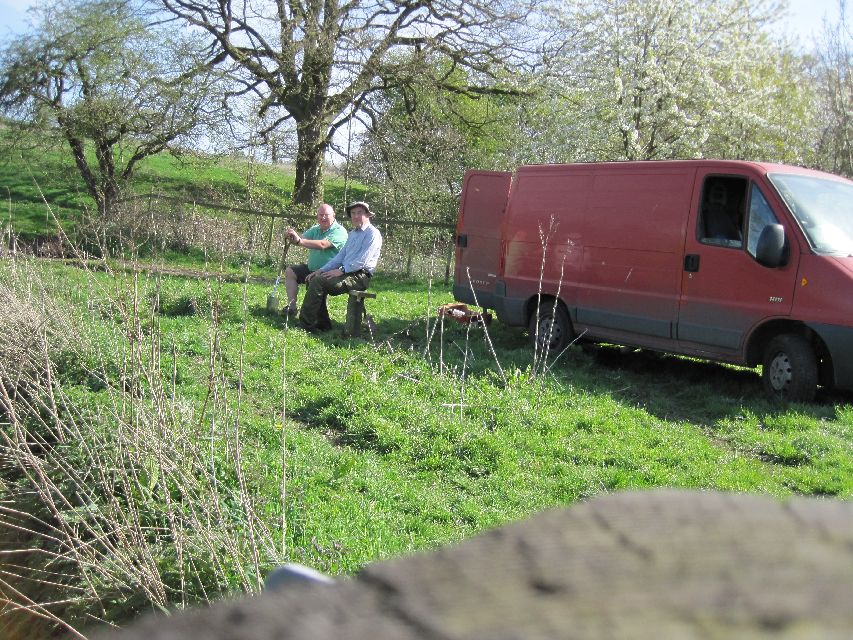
28,180
166,441
218,441
31,176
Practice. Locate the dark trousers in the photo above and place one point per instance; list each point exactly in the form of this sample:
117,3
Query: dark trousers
314,314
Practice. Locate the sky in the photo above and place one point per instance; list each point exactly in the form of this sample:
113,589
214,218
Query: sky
12,16
805,18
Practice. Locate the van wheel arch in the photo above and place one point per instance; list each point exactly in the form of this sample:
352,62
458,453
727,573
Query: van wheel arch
761,337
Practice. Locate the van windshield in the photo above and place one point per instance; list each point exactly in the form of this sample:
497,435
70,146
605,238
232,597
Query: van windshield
823,208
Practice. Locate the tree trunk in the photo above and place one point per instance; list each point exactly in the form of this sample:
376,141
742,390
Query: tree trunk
109,186
103,186
311,138
111,193
79,151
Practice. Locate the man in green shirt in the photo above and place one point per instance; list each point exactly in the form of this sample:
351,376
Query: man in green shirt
323,242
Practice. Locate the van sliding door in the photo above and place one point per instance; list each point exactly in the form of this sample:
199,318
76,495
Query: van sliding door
632,242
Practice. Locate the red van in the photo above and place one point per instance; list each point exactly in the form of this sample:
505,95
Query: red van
740,262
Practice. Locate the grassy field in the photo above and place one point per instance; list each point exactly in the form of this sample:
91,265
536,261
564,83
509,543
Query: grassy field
334,452
165,441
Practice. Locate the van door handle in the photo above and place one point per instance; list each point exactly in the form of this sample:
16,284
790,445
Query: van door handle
691,262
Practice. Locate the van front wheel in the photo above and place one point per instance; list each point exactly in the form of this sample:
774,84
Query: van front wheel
550,329
790,368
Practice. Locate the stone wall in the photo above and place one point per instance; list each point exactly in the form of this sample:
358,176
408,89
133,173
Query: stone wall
657,564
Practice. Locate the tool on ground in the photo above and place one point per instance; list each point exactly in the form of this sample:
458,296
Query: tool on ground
273,298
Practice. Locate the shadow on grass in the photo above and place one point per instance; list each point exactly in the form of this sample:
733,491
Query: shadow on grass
273,319
676,387
400,332
339,425
668,386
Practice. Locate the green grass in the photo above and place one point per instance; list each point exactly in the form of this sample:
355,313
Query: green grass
418,436
232,180
636,410
381,450
28,180
421,436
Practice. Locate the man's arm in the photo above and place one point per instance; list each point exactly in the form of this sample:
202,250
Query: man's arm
313,244
307,240
336,262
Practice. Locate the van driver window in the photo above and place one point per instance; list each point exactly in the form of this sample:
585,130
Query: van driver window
760,215
722,211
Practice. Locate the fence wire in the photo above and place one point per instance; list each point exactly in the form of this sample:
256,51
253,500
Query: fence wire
157,223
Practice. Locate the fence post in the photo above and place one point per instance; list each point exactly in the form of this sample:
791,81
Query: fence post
269,237
450,247
152,230
409,258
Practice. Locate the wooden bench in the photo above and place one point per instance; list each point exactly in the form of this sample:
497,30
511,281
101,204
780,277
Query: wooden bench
355,312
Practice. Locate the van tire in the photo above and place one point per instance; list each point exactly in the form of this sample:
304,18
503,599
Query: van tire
553,322
790,368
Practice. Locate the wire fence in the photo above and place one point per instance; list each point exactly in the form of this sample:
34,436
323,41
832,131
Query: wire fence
410,247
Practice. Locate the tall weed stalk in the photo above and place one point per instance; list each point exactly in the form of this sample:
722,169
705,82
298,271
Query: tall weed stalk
113,505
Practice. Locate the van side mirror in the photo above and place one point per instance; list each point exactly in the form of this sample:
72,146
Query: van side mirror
771,248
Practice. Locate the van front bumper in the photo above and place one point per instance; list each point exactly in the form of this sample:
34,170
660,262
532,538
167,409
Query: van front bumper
839,341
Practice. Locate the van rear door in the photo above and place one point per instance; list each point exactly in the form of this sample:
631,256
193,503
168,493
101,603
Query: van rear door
478,235
725,291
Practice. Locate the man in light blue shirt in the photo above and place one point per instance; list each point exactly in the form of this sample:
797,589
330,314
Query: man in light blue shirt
350,270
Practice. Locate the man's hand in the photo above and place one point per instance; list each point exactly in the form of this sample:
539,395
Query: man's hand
334,273
293,236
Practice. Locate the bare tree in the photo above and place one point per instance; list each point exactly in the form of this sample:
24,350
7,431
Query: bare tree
314,62
113,88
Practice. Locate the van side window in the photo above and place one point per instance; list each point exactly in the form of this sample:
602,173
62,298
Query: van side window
722,211
760,215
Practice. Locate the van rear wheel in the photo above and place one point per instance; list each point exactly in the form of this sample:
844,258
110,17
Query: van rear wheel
550,329
790,368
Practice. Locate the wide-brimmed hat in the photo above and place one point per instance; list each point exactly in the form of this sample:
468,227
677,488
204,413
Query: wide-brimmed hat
370,214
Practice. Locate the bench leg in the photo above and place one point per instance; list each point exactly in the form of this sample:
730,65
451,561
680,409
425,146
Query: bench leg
355,314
